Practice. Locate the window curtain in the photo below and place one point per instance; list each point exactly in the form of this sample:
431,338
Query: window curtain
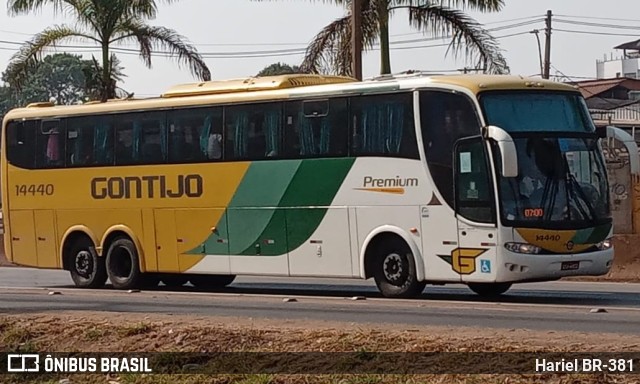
273,132
163,139
137,137
53,146
241,139
382,126
325,136
204,135
395,126
307,142
101,143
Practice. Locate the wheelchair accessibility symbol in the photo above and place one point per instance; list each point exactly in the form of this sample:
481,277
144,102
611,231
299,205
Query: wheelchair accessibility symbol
485,266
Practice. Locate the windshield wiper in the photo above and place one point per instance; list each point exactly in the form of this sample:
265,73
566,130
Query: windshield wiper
575,190
549,193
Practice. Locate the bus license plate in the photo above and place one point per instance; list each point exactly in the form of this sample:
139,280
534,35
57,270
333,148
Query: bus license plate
570,266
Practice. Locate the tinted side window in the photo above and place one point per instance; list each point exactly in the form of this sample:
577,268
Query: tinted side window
82,143
445,118
50,150
383,126
254,132
195,135
140,138
474,197
90,141
317,128
21,143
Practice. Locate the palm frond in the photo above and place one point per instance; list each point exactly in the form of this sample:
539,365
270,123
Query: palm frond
17,7
472,5
468,36
30,53
152,38
330,50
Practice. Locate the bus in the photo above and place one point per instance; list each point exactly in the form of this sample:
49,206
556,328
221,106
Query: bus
409,179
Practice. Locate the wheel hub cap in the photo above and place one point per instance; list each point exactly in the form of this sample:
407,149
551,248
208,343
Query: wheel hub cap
393,267
84,263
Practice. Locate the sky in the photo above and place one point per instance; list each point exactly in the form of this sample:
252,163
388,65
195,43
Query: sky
220,27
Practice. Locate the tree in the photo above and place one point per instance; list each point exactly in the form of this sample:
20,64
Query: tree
330,50
7,100
279,69
64,77
105,23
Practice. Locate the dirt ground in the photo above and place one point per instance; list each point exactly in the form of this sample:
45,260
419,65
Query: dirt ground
626,266
100,332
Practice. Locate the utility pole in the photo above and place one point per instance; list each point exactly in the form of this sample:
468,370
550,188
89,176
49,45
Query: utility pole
356,39
547,47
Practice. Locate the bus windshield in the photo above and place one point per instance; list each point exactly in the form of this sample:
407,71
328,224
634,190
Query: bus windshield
561,180
537,111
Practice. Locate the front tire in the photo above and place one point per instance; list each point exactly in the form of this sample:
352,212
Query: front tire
86,268
395,270
489,289
123,264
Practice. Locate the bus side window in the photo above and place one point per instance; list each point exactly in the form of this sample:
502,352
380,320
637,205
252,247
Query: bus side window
21,144
195,135
445,118
80,145
124,144
50,144
153,140
254,132
383,126
316,128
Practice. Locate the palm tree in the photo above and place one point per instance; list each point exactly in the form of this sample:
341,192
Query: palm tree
330,50
106,23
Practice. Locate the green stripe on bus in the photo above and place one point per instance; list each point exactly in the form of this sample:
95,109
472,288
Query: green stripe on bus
315,184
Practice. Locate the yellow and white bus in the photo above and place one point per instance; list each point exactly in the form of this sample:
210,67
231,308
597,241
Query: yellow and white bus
409,180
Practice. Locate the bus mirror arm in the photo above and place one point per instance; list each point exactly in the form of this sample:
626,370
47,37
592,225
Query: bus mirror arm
507,147
629,143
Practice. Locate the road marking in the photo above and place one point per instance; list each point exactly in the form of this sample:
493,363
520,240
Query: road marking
422,303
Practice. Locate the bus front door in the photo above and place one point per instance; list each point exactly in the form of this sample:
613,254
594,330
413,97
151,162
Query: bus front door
475,257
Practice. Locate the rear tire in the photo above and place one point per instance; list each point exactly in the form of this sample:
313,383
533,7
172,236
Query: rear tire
123,264
87,269
211,281
489,289
395,270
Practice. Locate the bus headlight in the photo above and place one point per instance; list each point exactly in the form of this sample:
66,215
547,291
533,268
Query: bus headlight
523,248
604,245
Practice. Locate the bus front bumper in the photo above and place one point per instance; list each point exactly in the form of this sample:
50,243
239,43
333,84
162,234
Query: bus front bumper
526,267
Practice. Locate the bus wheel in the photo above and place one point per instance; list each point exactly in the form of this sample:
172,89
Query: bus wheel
489,289
174,280
395,270
86,268
211,281
123,265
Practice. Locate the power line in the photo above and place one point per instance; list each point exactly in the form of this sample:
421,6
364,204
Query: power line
600,25
596,33
600,18
538,17
241,54
302,46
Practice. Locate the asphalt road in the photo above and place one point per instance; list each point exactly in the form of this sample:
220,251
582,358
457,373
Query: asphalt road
559,306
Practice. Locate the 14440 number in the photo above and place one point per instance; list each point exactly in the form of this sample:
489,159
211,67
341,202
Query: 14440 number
34,189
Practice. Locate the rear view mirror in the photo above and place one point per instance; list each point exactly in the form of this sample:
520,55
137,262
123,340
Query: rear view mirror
507,147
